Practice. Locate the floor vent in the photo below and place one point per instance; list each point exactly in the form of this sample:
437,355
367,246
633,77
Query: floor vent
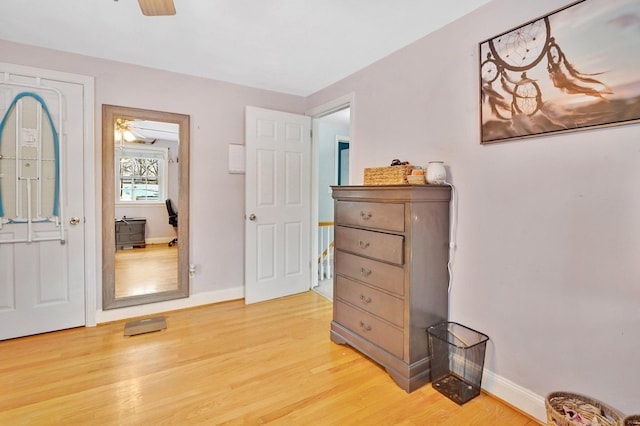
147,325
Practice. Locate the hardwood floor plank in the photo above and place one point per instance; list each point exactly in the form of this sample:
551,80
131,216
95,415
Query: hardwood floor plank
268,363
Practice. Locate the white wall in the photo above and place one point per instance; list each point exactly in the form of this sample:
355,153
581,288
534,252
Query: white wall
548,247
216,111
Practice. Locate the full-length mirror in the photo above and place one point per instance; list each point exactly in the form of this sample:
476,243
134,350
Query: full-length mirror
145,206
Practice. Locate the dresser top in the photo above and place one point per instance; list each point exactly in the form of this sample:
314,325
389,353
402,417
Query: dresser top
130,219
401,193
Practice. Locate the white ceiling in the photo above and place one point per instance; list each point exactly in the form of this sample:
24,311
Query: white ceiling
150,130
290,46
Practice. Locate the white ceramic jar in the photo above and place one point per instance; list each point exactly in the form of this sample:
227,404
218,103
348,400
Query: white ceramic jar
436,173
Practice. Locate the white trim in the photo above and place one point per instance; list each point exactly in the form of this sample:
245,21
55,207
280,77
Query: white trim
141,204
158,240
337,104
90,215
521,398
346,101
194,300
90,218
315,167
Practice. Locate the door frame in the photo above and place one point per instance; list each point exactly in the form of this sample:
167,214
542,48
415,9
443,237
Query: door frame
337,104
91,220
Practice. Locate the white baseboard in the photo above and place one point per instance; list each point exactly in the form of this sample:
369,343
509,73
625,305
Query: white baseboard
158,240
521,398
192,301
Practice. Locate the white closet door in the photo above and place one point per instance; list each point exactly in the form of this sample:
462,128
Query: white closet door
42,247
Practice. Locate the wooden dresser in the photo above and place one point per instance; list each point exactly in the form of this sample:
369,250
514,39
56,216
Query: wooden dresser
391,278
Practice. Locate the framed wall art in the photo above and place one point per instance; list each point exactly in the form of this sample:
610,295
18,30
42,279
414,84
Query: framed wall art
575,69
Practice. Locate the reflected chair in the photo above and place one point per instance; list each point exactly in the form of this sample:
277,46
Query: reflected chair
173,220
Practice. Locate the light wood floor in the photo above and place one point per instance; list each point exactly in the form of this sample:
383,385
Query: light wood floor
146,270
268,363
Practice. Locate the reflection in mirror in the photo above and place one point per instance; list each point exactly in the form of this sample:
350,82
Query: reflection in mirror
145,191
146,178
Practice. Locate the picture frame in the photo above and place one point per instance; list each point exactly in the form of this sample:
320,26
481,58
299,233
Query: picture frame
576,68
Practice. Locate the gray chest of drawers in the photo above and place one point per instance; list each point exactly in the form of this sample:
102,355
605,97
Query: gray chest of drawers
130,232
391,278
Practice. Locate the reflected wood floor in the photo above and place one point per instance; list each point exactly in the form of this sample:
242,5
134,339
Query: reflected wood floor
267,363
146,270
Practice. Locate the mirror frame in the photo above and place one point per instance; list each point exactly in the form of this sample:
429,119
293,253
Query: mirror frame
109,115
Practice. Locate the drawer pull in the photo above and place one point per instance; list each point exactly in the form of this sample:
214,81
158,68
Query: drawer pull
365,215
363,244
365,300
365,272
365,327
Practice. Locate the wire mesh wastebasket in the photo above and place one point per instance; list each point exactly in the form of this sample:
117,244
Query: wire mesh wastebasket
457,360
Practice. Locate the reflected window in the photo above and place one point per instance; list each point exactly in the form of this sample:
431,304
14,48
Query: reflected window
140,175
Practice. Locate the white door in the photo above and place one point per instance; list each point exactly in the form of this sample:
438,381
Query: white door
278,204
41,216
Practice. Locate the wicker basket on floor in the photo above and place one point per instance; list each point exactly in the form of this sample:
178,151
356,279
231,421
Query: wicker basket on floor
392,175
588,408
633,420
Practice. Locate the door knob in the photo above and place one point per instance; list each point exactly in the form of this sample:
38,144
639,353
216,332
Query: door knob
252,217
74,220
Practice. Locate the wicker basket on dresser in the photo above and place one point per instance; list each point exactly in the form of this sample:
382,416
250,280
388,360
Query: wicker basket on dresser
391,278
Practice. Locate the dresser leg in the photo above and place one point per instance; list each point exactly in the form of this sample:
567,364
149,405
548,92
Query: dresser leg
409,384
336,338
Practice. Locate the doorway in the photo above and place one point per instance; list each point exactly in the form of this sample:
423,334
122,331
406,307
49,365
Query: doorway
332,139
342,160
262,235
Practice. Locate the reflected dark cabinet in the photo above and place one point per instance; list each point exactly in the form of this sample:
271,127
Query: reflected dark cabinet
391,278
130,232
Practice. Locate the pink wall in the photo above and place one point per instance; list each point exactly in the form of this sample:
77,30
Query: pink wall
549,238
216,110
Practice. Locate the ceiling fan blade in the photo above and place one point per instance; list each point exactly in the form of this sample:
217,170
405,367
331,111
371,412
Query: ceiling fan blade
157,7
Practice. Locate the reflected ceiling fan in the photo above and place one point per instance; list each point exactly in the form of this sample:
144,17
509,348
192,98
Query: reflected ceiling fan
126,131
157,7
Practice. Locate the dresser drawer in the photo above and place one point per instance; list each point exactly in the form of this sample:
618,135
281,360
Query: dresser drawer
371,300
385,216
382,275
377,245
129,238
136,228
370,328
